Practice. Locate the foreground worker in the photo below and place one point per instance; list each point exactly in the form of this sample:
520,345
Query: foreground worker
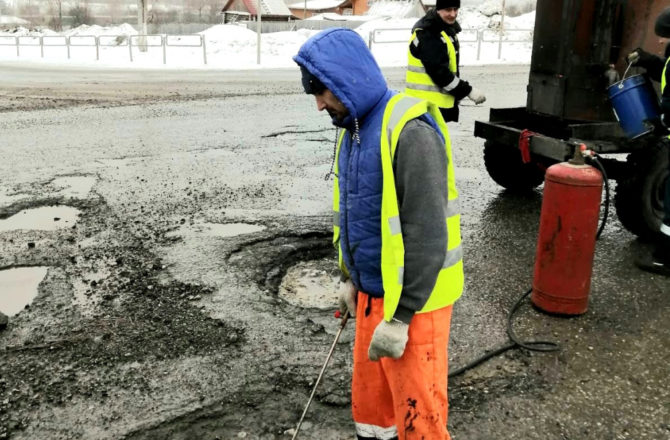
433,58
396,226
657,68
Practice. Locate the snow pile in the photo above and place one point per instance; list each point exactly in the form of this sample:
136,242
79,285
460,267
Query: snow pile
8,19
513,8
124,29
395,9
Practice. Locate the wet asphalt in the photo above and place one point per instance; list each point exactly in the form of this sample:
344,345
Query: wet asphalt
173,152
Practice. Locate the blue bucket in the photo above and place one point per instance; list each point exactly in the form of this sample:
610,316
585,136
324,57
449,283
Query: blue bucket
634,101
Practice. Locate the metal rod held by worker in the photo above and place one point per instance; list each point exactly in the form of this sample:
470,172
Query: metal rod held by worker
345,318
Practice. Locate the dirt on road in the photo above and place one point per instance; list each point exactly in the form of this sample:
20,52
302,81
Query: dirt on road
189,296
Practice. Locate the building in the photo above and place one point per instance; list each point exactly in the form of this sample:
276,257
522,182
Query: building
271,10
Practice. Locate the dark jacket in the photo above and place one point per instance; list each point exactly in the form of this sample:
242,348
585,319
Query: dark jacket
432,52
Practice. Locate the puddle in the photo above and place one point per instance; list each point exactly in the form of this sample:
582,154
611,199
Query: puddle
74,186
46,218
309,284
18,287
218,229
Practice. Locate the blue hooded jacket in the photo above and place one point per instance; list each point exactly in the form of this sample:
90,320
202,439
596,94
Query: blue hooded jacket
340,59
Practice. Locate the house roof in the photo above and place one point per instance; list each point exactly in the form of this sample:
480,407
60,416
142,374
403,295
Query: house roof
317,5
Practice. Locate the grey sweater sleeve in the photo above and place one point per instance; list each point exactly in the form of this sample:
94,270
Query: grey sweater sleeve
420,169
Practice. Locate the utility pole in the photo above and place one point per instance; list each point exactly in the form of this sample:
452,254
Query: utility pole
502,29
258,31
142,24
304,11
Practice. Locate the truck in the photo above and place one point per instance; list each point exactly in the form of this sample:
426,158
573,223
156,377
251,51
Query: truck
579,50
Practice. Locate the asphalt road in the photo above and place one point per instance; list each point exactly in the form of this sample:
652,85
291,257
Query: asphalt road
154,321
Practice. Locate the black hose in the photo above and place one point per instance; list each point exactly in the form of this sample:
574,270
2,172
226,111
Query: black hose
543,346
596,162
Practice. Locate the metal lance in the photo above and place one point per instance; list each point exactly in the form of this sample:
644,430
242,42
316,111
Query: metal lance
345,318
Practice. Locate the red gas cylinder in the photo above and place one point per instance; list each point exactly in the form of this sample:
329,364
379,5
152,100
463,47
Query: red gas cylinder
567,238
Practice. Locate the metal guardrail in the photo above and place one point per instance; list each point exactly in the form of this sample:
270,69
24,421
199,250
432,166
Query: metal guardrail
151,40
467,36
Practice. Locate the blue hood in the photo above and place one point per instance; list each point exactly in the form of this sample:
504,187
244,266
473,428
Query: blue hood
341,60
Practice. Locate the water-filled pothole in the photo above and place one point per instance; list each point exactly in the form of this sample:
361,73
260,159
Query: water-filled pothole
311,284
18,287
45,218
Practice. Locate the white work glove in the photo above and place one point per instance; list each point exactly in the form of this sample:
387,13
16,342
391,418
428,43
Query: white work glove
388,340
476,96
347,299
633,57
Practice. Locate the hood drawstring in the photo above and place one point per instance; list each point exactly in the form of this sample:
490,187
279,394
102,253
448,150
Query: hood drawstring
332,162
356,136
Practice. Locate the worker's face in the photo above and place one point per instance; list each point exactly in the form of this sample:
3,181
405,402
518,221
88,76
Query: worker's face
448,15
329,102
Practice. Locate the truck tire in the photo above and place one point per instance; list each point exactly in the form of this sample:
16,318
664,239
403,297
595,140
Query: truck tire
639,195
506,168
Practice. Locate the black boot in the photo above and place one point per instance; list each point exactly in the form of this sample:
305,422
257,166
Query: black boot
659,260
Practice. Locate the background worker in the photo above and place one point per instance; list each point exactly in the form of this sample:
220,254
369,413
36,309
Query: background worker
397,228
657,68
433,58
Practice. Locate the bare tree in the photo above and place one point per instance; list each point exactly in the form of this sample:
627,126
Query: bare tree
56,22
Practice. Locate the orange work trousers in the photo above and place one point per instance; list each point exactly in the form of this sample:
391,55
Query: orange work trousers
402,398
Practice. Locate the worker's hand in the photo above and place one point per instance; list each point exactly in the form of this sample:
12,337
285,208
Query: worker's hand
347,299
388,340
633,57
477,96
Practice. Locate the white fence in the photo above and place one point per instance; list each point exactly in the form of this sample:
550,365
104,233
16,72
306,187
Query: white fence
402,35
138,41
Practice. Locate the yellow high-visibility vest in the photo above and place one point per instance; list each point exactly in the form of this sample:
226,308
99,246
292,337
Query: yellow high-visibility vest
419,84
449,284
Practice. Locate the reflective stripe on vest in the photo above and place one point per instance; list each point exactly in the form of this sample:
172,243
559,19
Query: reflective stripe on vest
336,207
419,84
449,284
663,83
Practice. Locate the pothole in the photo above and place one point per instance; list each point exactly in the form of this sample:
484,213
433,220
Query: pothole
311,284
45,218
74,186
218,229
18,287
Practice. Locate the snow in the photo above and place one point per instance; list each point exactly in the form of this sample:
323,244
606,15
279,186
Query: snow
8,19
233,46
316,5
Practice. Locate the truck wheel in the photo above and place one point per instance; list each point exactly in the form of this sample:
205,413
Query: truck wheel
639,195
506,168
